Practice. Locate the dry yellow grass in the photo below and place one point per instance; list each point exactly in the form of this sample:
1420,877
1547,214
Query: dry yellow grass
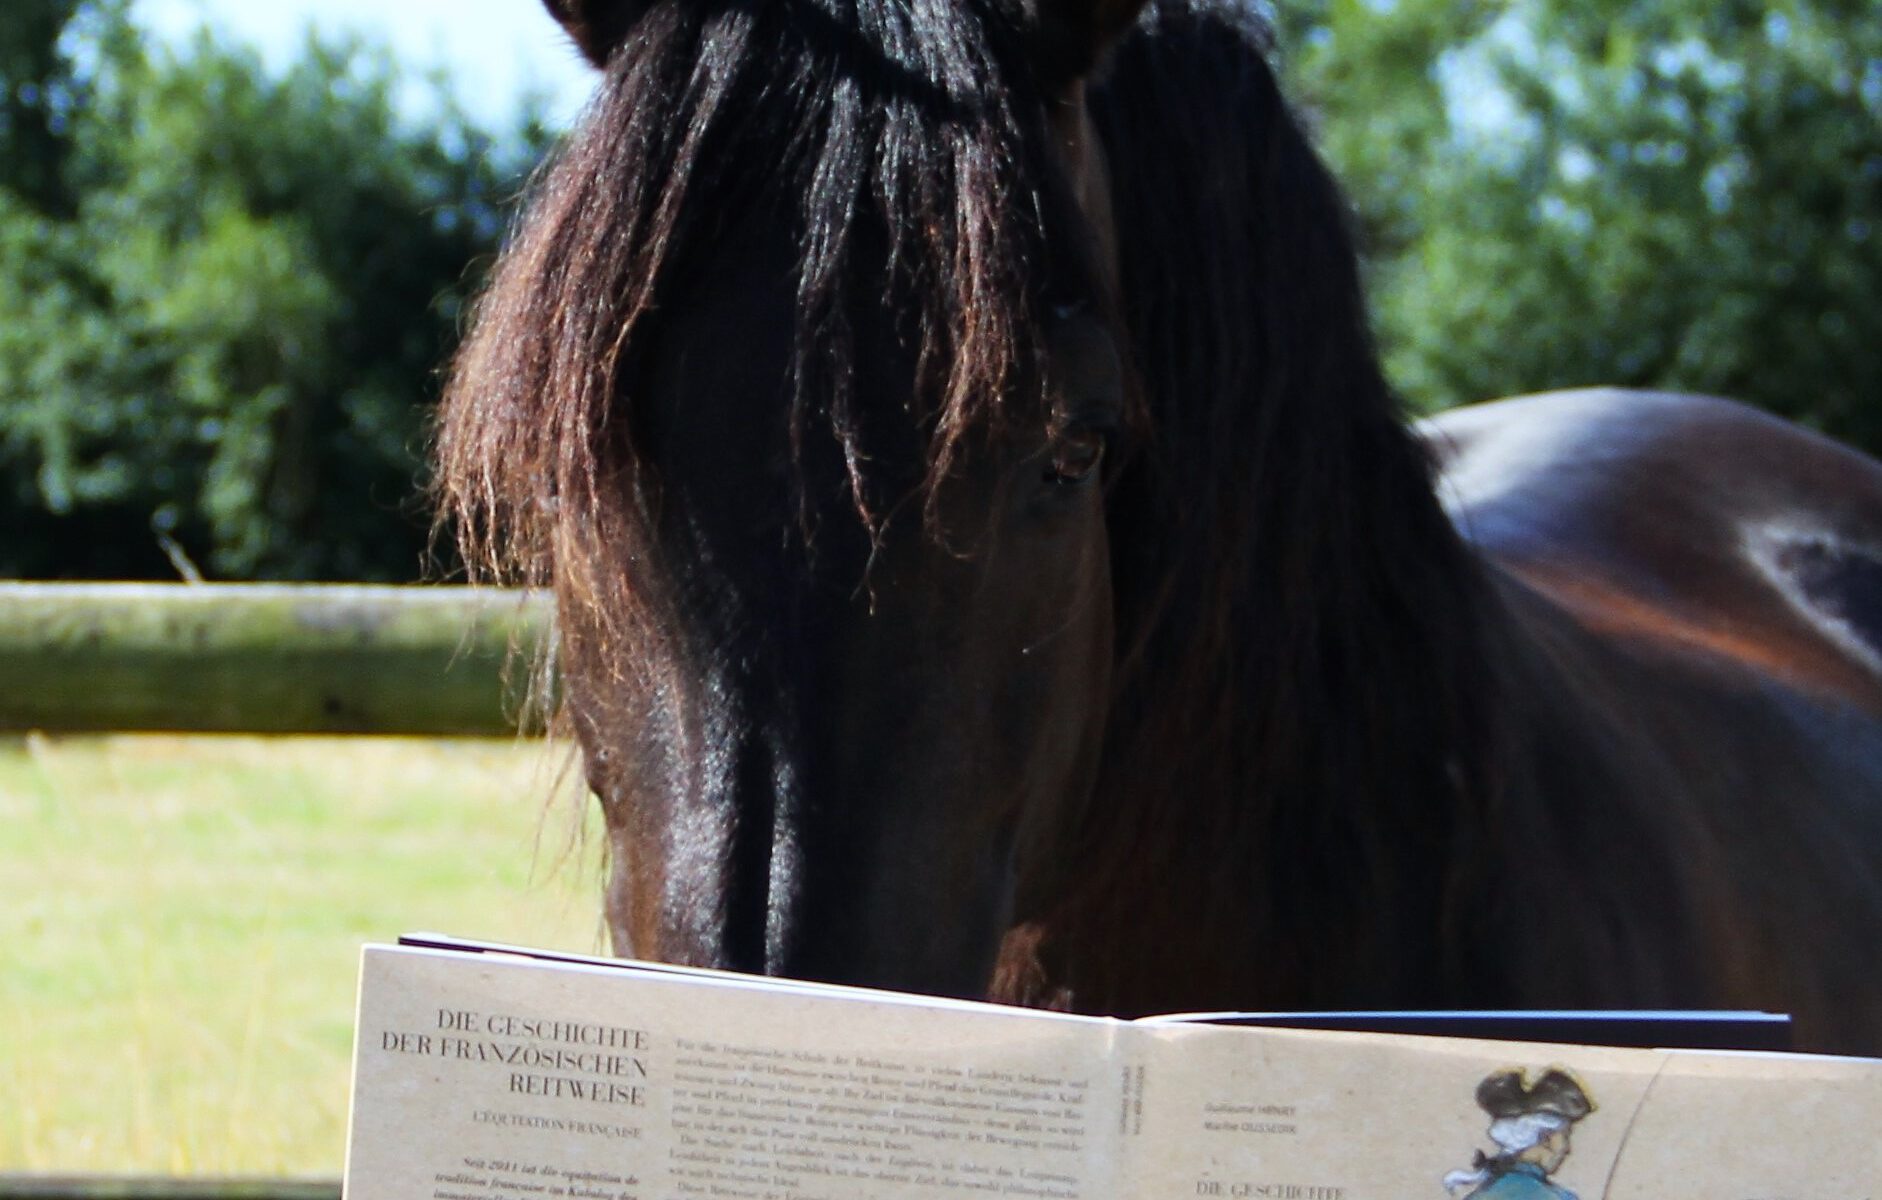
182,921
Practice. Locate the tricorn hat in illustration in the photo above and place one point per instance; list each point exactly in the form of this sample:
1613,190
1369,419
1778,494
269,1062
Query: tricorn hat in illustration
1509,1094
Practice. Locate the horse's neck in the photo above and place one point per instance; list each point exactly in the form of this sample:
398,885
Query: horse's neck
1353,786
1556,898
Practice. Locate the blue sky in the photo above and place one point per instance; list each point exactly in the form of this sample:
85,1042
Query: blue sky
494,49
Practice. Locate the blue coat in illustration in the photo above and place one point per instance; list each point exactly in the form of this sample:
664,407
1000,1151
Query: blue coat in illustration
1524,1181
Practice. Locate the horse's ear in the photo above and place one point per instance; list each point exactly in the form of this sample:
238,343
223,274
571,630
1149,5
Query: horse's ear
596,27
1074,34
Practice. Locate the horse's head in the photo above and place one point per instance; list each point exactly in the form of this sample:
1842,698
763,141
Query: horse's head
797,384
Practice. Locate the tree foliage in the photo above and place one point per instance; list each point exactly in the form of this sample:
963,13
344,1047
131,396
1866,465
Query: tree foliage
38,93
225,291
1659,193
226,295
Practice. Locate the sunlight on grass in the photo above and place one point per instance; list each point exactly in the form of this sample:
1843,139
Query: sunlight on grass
180,936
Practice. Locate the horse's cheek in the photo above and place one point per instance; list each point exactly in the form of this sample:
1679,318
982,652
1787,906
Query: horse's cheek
1057,665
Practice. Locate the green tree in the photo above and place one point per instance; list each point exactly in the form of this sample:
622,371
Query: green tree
1676,193
38,93
225,340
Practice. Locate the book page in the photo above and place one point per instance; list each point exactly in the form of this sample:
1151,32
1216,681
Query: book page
479,1077
1247,1114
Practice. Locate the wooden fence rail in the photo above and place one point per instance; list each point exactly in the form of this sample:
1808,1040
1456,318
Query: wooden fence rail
253,658
131,1187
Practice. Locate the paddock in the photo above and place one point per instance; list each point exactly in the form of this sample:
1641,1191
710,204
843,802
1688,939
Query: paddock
270,729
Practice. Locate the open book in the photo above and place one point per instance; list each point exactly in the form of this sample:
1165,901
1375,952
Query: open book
485,1072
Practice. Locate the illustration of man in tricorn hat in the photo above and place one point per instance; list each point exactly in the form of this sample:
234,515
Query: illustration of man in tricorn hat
1530,1126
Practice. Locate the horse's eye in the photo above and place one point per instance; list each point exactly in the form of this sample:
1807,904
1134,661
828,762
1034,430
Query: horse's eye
1076,455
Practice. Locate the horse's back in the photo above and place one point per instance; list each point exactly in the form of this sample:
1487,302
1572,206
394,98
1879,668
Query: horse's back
1698,525
1696,593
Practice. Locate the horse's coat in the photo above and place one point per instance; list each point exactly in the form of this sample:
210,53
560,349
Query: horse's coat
990,562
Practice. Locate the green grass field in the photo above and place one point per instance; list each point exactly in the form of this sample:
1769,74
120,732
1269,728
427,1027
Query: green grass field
180,931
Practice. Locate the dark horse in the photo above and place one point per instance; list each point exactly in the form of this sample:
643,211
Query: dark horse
991,563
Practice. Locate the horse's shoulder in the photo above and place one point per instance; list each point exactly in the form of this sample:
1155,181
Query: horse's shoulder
1685,520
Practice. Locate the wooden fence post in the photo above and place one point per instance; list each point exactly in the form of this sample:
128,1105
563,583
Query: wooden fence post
262,658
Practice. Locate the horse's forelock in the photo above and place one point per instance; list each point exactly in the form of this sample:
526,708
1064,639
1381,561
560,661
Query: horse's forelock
902,128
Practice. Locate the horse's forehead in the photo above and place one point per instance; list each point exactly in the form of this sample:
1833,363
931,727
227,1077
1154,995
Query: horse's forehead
723,379
719,395
715,377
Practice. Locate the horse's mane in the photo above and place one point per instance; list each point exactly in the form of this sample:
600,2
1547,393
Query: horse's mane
915,138
1294,608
